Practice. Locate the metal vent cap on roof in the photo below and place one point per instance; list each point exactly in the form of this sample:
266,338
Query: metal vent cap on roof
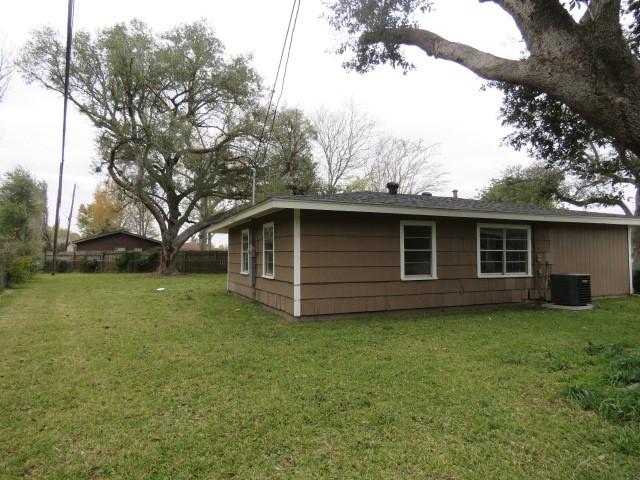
393,187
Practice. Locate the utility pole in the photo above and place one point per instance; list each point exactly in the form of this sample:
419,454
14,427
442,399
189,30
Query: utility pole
67,66
73,199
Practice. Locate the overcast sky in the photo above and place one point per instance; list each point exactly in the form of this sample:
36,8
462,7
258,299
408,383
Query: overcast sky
439,101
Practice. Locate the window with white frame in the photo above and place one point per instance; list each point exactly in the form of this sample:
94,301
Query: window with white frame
417,250
244,251
504,250
268,241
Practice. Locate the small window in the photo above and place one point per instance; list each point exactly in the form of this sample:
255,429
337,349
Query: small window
244,252
268,241
504,250
417,250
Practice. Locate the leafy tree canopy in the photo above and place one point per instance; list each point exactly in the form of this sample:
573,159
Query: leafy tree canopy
23,213
104,214
174,115
534,185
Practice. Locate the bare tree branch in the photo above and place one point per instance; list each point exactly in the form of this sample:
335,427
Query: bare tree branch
343,138
408,162
6,69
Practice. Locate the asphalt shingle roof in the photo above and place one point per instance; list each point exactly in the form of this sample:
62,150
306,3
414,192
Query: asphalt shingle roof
449,203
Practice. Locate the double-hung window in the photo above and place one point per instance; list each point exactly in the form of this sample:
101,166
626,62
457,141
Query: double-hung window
245,242
268,241
504,250
417,250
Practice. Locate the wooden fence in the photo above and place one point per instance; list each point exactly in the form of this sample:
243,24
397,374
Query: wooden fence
213,261
3,272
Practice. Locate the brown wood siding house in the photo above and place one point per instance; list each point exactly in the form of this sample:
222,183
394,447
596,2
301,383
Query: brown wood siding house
115,241
369,252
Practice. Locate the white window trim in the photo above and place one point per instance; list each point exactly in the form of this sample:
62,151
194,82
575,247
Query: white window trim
434,256
273,243
242,271
529,250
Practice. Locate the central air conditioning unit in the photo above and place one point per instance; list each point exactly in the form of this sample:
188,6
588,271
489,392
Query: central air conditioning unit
571,289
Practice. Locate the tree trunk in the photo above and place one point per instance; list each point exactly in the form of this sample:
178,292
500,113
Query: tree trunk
168,256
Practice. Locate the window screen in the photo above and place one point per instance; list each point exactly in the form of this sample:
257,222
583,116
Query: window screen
244,252
267,250
504,251
417,250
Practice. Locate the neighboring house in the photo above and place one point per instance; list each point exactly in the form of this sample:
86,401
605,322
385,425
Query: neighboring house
365,252
115,241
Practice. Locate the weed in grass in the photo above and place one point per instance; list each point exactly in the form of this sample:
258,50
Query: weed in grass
626,440
612,393
557,363
514,359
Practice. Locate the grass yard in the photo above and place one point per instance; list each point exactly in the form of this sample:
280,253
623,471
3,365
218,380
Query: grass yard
103,377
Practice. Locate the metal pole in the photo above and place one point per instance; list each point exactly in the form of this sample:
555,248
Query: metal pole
73,199
64,130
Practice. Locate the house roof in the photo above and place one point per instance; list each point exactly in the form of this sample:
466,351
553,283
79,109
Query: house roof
115,232
376,202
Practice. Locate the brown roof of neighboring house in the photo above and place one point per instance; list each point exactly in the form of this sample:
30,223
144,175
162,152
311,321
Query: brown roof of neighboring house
115,232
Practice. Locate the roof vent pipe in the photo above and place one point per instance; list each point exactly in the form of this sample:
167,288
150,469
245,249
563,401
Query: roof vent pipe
393,188
455,194
427,194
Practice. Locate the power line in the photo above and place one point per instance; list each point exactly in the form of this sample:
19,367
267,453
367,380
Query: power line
275,81
284,74
67,67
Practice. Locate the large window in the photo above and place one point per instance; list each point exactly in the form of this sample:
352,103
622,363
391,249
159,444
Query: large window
268,240
417,250
244,251
504,250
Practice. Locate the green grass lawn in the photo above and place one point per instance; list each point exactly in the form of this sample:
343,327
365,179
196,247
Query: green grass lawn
103,377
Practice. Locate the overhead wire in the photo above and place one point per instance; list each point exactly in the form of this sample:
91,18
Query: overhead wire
284,74
286,47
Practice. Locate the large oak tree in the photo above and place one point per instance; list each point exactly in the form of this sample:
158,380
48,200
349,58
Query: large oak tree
172,113
585,61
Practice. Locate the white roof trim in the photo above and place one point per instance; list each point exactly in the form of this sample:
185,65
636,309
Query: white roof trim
279,204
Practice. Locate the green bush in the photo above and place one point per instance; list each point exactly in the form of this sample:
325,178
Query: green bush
63,266
149,262
91,265
137,262
19,269
128,261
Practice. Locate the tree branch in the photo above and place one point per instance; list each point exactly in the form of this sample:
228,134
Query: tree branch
484,64
608,10
187,233
595,200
